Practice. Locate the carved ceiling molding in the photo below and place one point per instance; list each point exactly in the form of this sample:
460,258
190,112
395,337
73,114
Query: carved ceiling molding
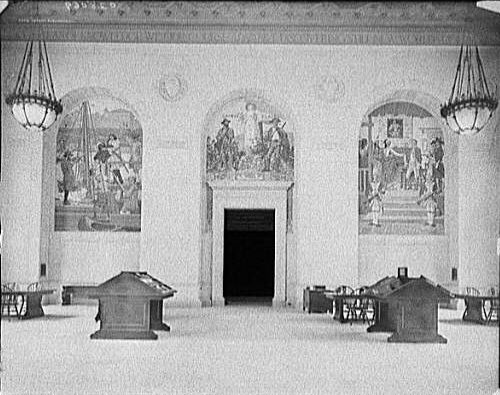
278,22
248,35
250,12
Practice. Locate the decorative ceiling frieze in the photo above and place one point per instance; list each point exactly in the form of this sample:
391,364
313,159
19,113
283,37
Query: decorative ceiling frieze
372,23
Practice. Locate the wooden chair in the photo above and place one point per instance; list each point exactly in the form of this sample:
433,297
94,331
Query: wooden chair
494,305
473,292
349,304
35,287
365,308
9,302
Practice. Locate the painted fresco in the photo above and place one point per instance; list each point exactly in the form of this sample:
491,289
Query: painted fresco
401,172
98,169
249,139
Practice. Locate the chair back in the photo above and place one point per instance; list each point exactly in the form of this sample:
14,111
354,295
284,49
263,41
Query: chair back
8,286
472,291
494,292
34,287
344,290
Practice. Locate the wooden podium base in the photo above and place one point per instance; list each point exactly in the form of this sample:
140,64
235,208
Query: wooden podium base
412,337
159,326
124,335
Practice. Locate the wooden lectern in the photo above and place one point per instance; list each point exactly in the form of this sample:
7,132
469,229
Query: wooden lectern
131,306
408,307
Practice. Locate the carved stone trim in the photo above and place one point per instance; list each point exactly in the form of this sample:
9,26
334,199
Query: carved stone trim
331,35
251,185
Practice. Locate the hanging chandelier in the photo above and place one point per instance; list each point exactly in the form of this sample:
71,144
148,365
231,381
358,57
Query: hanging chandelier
470,105
33,102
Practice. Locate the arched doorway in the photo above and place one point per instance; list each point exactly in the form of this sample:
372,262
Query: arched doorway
248,168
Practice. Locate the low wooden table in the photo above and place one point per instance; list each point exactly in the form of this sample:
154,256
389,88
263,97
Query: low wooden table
32,300
315,301
474,307
339,300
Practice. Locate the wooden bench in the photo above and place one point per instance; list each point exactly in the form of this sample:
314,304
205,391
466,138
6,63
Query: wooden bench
71,292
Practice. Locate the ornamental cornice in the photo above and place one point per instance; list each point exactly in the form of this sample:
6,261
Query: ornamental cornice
343,23
250,35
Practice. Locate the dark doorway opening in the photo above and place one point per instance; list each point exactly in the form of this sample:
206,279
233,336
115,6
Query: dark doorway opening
248,256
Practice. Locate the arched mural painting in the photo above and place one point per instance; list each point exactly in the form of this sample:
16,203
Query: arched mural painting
249,138
98,168
401,171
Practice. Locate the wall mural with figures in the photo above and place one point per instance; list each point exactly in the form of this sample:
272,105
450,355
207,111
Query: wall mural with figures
98,168
249,138
401,172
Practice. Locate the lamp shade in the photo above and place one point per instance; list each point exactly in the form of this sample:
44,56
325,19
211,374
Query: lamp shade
34,113
470,105
34,109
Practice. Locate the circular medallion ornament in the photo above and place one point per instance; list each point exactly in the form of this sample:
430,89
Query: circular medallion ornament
329,89
172,87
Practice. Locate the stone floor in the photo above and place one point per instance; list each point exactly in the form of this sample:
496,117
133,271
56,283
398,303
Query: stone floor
243,350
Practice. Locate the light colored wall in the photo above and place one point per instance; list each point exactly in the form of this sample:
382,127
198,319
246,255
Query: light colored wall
326,189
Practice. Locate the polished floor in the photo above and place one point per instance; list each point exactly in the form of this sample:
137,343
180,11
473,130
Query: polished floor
242,350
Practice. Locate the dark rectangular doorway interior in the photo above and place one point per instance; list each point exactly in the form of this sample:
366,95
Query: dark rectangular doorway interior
248,256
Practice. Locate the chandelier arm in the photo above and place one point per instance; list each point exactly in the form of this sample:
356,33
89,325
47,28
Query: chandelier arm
30,68
28,123
462,75
482,76
44,117
456,122
51,86
26,72
475,118
20,79
46,86
456,75
40,70
469,67
474,87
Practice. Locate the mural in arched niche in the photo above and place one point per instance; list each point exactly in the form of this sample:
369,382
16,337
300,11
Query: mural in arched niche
249,138
99,168
401,171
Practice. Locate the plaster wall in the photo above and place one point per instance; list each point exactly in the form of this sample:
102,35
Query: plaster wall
326,175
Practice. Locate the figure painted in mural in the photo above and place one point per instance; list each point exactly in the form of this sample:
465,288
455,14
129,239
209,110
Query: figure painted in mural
378,159
116,162
390,165
375,202
135,160
130,196
211,153
278,147
413,160
67,162
428,199
363,153
103,178
251,122
226,147
438,153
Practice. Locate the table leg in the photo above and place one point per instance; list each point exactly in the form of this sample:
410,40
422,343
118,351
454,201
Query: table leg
33,307
342,319
473,310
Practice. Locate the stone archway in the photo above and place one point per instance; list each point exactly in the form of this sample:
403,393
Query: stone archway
253,186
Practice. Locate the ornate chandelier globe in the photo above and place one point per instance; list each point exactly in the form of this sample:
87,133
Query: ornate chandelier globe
33,101
471,104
